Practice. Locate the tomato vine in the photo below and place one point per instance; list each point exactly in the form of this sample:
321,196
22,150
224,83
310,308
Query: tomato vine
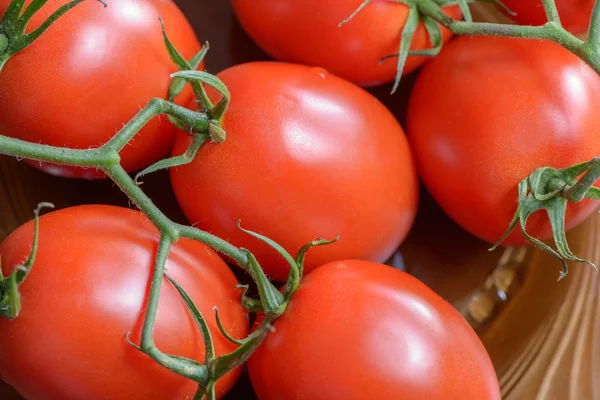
204,124
546,188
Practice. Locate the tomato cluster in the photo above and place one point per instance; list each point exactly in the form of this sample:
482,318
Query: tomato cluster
308,153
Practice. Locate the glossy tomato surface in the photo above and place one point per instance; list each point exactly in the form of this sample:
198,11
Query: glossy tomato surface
574,14
307,155
88,288
489,111
360,330
307,32
90,73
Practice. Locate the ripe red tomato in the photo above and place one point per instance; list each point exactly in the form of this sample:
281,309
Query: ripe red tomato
88,288
307,32
360,330
574,14
486,113
91,73
307,155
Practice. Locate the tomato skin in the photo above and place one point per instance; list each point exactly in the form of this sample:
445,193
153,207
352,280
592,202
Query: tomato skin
503,109
574,14
359,330
307,32
90,73
88,288
307,155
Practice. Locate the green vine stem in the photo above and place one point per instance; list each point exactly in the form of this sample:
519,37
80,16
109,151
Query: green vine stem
203,125
106,158
545,189
552,30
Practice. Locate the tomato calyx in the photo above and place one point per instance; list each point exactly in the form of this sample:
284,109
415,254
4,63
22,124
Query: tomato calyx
551,190
203,125
430,13
14,22
10,298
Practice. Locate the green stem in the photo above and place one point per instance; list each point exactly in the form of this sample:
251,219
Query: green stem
578,191
594,31
3,43
588,51
551,11
156,106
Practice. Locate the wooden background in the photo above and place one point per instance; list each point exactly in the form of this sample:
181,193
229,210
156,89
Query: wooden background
543,336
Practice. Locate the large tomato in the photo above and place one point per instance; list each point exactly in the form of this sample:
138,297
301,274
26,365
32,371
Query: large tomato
307,155
88,288
90,73
486,113
307,32
358,330
574,14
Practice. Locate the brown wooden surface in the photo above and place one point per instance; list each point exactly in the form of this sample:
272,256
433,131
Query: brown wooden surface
543,340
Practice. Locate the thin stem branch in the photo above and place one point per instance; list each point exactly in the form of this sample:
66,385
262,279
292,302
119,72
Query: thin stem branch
164,246
594,31
588,51
578,191
59,155
156,106
551,11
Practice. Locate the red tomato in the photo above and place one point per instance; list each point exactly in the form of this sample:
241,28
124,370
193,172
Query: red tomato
486,113
91,73
307,155
88,288
574,14
306,32
360,330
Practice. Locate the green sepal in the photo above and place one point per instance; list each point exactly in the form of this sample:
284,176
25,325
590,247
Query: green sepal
212,81
593,193
294,269
12,13
249,303
216,133
551,189
354,13
292,285
466,11
410,27
435,37
224,331
272,300
556,209
200,321
223,364
178,84
200,393
180,62
167,163
10,298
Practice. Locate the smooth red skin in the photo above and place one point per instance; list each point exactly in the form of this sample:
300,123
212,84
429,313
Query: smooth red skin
88,288
489,111
90,73
307,155
574,14
307,32
358,330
